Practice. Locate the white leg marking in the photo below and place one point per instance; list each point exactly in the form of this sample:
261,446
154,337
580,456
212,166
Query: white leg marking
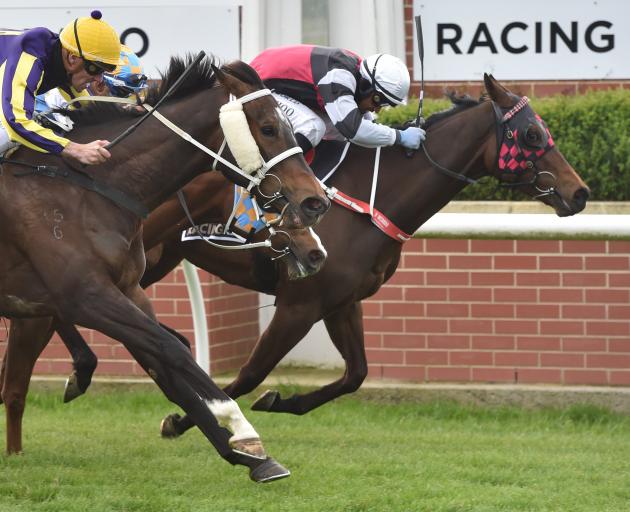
229,415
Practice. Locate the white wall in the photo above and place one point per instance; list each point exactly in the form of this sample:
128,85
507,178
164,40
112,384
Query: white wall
171,27
367,27
364,26
517,43
269,23
315,349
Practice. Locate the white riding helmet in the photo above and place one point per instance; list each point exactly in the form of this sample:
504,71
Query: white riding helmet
388,75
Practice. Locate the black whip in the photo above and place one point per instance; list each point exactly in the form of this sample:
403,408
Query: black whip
174,87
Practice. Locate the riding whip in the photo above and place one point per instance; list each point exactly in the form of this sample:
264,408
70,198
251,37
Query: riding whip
419,118
419,122
172,89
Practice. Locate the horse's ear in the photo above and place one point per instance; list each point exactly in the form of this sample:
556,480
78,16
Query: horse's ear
230,82
497,92
218,72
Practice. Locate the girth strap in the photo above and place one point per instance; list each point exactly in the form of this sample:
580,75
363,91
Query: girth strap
83,180
378,218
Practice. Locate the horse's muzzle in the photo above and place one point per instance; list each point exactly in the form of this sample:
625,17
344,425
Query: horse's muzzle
580,197
314,207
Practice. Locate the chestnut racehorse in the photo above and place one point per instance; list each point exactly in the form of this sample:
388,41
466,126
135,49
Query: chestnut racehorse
72,255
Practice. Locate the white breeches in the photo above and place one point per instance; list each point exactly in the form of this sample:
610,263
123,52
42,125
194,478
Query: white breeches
306,122
5,142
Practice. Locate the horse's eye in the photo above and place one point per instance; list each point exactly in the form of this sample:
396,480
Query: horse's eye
532,136
268,131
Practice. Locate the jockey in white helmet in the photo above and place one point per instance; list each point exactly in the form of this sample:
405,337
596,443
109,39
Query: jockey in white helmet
332,92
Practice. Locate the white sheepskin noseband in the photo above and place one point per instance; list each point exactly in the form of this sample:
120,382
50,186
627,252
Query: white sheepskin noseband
239,138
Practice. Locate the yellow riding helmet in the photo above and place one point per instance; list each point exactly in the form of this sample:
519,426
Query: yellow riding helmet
92,39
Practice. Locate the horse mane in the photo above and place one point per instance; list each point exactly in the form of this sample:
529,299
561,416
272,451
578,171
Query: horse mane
459,103
201,77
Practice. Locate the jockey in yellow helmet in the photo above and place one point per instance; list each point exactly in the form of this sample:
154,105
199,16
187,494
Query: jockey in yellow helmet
128,79
37,60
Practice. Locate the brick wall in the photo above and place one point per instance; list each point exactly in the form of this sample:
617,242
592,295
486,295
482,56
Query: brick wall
232,317
523,88
457,310
504,311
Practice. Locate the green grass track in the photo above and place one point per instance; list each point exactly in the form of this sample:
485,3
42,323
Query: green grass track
103,452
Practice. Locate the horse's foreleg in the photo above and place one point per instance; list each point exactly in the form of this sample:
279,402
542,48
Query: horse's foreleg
287,328
84,361
171,365
183,339
345,327
27,339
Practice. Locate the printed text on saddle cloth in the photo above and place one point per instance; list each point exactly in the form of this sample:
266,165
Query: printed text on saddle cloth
519,147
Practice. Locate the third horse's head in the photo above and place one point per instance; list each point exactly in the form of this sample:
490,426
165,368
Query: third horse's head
528,159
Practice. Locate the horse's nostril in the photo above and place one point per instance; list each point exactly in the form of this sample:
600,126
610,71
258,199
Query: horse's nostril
580,197
316,257
315,205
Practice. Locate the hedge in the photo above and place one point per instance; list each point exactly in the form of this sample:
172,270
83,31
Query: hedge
592,131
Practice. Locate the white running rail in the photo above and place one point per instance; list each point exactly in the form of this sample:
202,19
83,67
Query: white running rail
525,225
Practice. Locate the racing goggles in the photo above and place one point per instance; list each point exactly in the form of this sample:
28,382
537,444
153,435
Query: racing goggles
133,84
380,100
94,68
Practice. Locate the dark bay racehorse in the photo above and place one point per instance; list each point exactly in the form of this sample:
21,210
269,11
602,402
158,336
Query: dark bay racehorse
210,200
72,255
468,139
296,253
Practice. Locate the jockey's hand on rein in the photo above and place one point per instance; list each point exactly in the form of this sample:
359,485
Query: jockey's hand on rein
91,153
410,137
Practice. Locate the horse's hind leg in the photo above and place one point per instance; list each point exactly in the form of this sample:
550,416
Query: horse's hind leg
84,361
27,339
345,327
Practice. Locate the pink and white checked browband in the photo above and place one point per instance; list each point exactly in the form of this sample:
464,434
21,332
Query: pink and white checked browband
521,103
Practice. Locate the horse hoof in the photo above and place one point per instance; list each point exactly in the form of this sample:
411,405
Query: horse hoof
268,471
72,389
266,401
167,427
250,447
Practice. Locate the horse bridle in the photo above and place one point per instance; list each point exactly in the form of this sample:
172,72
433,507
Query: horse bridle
268,242
255,179
511,157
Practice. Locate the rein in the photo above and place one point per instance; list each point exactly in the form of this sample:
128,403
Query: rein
505,131
260,173
86,181
267,243
509,157
83,180
217,158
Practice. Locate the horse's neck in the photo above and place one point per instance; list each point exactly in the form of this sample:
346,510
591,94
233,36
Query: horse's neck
205,198
415,189
156,162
